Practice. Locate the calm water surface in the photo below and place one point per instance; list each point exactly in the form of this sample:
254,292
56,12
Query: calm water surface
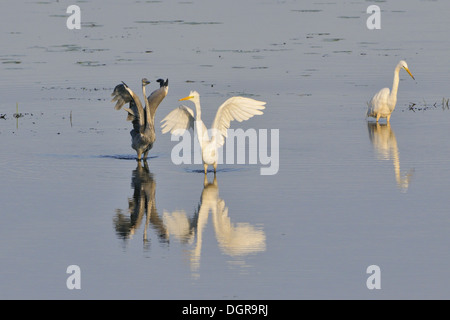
348,193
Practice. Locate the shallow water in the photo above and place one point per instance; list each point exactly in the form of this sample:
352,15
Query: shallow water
348,193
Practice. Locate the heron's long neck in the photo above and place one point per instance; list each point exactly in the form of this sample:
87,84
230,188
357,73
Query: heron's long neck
198,111
394,90
199,123
148,118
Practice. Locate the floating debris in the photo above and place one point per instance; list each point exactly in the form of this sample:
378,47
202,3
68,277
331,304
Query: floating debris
445,103
90,63
90,25
17,114
424,107
12,62
307,10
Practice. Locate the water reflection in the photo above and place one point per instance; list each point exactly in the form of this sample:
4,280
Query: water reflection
235,240
141,205
383,139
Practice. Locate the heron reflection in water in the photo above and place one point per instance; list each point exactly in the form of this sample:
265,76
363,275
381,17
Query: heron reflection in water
235,239
141,205
383,139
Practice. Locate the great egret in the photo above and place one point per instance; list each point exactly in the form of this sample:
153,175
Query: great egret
384,142
235,108
235,239
143,133
383,103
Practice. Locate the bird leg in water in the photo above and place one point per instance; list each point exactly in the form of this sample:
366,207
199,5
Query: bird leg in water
215,168
205,166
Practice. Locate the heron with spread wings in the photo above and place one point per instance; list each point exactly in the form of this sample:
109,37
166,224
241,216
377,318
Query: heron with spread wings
143,134
235,108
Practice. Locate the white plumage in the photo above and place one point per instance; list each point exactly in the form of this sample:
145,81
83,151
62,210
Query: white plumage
383,103
235,108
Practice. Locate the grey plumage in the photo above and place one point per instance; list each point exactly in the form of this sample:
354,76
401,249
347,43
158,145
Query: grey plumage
143,133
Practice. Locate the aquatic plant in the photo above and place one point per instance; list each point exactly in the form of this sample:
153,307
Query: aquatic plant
424,107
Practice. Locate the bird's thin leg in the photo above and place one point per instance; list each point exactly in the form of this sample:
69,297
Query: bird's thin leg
145,164
139,156
215,168
145,155
378,117
205,166
387,118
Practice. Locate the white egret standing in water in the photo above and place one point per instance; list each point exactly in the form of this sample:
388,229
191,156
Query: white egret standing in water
383,103
235,108
143,134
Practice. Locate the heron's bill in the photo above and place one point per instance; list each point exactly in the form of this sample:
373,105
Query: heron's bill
407,70
186,98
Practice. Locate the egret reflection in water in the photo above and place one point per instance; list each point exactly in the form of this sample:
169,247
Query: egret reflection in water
234,239
383,139
141,205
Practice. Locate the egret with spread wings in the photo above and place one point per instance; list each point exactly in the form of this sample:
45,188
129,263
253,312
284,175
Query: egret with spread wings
235,108
143,134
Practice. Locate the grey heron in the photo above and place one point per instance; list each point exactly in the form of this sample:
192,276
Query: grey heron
143,134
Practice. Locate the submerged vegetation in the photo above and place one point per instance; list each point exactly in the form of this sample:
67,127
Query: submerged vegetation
444,104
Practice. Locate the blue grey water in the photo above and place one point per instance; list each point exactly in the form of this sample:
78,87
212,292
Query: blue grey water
348,193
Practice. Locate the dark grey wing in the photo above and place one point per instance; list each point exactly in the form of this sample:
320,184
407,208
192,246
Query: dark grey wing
123,95
155,98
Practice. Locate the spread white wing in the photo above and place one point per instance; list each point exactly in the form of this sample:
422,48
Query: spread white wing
178,120
235,108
